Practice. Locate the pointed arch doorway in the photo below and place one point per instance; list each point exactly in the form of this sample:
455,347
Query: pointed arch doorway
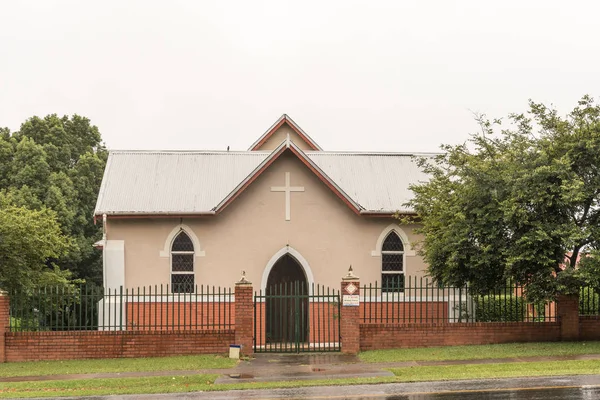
292,313
287,304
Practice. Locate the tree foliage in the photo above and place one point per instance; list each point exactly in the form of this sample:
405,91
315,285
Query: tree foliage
29,241
518,202
56,163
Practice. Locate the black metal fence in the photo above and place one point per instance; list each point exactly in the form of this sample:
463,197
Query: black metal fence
419,300
589,301
293,317
412,300
89,307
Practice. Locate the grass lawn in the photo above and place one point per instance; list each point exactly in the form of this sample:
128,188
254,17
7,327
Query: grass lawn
505,370
179,363
87,387
509,350
176,383
173,384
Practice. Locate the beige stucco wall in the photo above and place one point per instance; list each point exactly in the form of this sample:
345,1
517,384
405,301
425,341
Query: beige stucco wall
279,136
252,229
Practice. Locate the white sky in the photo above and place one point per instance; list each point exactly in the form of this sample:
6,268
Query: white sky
373,75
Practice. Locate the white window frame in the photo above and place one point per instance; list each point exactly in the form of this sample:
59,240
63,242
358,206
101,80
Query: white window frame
193,252
408,250
393,252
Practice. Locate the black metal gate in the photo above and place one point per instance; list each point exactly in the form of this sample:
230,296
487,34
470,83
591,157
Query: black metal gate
290,318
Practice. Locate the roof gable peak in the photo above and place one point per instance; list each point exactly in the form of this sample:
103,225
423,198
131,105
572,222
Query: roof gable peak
287,127
288,145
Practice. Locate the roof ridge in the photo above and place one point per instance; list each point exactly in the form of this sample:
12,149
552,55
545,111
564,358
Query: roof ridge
118,151
263,152
375,153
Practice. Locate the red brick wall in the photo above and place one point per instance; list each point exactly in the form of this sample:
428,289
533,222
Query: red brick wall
568,313
4,323
432,311
388,336
180,315
350,319
589,328
33,346
244,309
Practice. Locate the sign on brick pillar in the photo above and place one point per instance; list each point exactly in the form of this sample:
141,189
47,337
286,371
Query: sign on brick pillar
350,320
244,314
4,323
568,313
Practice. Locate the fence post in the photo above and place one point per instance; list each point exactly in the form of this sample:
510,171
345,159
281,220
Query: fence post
568,314
350,318
244,315
4,323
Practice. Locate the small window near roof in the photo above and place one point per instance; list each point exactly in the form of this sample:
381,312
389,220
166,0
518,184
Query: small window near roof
182,264
392,264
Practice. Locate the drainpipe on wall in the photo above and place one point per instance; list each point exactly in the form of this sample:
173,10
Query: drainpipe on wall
104,249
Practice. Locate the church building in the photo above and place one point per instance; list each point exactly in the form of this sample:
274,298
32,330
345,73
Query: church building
284,210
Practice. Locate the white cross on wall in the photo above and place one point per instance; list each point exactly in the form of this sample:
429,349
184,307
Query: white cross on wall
288,190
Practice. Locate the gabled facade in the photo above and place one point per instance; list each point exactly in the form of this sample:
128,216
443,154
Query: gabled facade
202,217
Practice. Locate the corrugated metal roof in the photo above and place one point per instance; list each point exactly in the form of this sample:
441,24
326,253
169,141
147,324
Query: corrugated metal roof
376,181
171,182
195,182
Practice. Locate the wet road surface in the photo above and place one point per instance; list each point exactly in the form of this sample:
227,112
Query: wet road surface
528,394
582,387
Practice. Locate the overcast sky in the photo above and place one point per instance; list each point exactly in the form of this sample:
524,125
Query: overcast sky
373,75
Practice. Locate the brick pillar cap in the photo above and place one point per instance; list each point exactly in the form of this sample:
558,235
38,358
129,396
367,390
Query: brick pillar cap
243,281
3,292
350,275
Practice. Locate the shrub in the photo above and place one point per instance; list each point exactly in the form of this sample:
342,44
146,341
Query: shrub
500,308
589,302
25,324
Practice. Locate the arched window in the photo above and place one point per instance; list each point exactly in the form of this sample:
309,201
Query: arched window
392,263
182,264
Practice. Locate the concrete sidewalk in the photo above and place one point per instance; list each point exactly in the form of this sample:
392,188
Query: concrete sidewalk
289,367
286,367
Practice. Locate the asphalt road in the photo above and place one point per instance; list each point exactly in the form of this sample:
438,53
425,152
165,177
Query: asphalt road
519,394
582,387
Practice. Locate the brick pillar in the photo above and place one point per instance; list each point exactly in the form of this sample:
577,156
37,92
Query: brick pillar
349,324
4,323
244,315
568,314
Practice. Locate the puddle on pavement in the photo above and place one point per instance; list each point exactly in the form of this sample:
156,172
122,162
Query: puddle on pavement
241,376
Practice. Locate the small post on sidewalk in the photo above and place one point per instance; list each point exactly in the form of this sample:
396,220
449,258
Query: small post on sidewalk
244,315
350,320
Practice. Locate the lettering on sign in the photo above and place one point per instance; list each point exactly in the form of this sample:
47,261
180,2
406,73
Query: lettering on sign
350,300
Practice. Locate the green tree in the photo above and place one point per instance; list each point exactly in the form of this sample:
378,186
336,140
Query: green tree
29,241
58,163
30,167
519,203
